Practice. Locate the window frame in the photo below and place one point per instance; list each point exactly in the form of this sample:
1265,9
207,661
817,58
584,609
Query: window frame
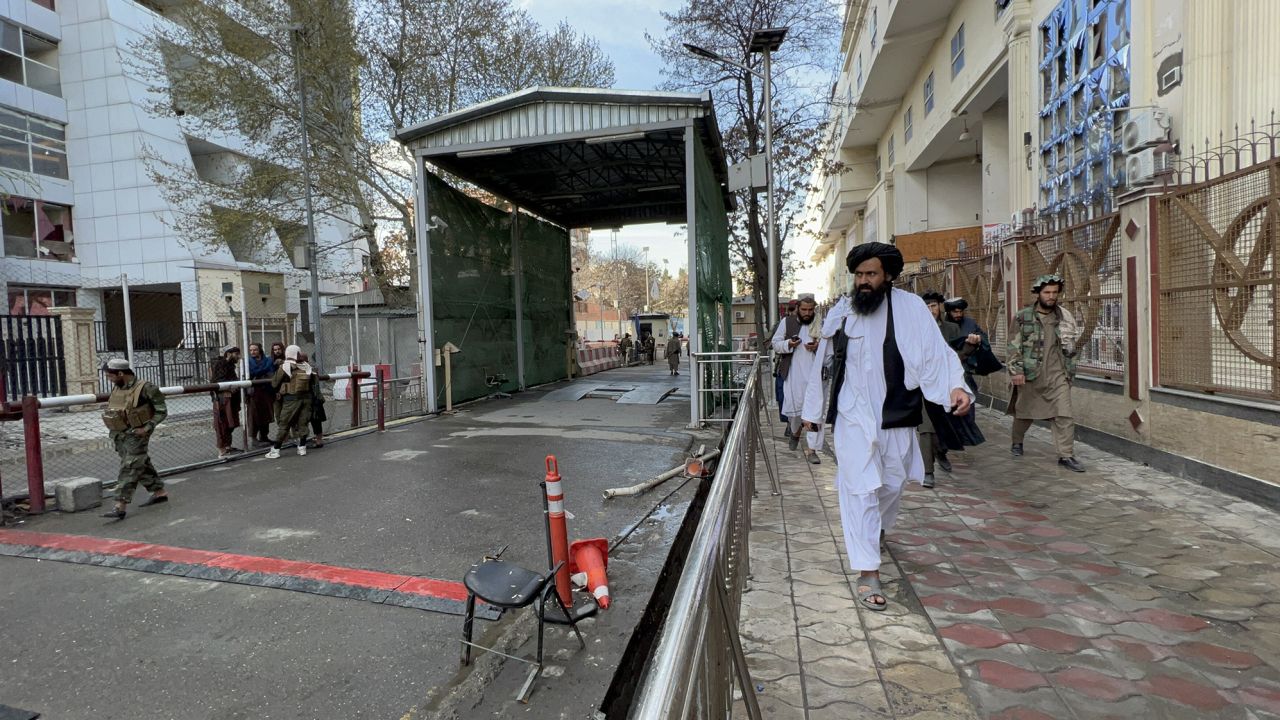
908,124
957,51
40,138
928,94
25,60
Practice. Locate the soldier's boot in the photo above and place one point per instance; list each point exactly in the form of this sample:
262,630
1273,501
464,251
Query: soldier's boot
117,513
155,499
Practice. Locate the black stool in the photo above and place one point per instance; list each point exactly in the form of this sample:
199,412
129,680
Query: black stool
509,586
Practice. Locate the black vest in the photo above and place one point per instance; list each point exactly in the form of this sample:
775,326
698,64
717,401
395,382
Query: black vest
902,407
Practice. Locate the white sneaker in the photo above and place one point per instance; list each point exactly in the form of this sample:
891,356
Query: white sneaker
302,449
273,453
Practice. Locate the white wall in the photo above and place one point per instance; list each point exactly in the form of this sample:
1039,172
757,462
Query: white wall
954,191
995,165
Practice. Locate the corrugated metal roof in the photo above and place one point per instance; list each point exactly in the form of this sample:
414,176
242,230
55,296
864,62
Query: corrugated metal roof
540,112
579,157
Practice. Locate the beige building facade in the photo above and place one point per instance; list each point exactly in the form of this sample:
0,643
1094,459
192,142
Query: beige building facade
966,119
1132,146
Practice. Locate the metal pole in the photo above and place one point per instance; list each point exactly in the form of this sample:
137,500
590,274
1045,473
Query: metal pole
128,319
422,246
244,364
356,340
35,455
517,292
774,257
313,306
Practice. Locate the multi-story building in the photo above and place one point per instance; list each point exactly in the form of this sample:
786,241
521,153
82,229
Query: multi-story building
81,142
957,120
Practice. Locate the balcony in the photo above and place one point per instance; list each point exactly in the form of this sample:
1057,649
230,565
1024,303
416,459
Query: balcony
908,30
845,193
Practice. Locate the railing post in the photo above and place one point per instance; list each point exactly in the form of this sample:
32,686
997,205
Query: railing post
35,456
356,398
380,396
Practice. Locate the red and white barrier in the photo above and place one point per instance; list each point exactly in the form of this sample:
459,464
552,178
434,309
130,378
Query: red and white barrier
594,360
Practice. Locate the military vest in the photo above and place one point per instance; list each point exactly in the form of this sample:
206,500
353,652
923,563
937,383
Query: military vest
123,409
298,383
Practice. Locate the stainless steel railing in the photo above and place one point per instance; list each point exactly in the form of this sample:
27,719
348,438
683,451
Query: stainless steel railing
721,381
699,654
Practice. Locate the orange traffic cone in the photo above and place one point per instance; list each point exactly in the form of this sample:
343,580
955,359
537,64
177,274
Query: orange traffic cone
592,557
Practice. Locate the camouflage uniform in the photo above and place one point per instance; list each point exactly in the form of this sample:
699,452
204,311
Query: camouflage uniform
294,396
135,462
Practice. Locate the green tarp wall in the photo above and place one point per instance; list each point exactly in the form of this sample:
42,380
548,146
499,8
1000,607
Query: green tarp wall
715,284
472,299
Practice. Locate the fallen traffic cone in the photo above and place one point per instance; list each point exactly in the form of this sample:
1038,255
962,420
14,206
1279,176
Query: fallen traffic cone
592,557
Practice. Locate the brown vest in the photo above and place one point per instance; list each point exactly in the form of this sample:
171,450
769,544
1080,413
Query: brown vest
123,409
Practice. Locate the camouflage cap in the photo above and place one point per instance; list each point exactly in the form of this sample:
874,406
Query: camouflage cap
1050,279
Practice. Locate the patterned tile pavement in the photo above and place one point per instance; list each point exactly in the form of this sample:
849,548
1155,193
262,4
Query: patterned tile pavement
1018,591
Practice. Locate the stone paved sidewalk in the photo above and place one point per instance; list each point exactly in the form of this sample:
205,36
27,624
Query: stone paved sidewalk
1019,591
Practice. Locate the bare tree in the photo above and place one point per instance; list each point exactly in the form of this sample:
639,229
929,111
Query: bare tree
800,106
370,67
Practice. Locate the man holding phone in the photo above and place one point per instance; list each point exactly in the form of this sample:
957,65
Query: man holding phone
795,342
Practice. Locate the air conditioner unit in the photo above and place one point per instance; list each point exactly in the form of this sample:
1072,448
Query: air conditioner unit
1143,167
1144,129
739,315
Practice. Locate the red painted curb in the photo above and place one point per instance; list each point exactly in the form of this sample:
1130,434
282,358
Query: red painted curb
405,584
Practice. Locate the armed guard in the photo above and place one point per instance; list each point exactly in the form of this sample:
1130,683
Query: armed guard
134,409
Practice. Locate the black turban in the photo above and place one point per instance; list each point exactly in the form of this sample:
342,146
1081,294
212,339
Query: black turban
890,257
956,304
932,297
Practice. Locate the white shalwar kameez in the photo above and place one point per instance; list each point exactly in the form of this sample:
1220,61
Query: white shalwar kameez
874,463
798,377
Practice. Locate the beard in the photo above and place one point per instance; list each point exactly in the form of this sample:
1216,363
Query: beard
806,321
867,299
1047,305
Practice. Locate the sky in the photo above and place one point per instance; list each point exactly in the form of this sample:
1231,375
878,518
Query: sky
620,26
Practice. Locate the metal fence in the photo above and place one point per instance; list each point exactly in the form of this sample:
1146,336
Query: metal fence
699,654
74,443
980,282
1088,257
1219,260
923,281
31,356
722,381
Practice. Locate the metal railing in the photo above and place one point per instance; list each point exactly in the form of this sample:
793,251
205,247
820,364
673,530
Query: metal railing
63,437
722,380
699,653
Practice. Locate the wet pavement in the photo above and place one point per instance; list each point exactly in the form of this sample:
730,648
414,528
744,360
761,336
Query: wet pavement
1019,591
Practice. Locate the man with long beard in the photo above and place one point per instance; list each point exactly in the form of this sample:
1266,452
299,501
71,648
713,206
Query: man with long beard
1042,365
888,357
795,343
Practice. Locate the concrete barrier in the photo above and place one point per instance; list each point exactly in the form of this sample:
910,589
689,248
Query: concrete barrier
594,360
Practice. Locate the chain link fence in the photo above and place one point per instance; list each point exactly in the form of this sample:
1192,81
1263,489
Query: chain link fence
1219,262
1088,257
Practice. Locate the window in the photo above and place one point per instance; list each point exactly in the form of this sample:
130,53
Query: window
47,4
264,288
28,59
890,152
906,126
32,145
228,288
875,23
37,229
957,51
35,300
928,94
859,71
878,168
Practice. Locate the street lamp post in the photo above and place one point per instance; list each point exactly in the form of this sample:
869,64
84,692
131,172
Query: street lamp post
313,306
646,278
765,42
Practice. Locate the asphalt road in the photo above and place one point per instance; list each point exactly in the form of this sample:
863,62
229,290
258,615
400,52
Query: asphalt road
428,498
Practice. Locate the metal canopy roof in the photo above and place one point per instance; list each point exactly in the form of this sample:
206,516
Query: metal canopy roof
578,157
